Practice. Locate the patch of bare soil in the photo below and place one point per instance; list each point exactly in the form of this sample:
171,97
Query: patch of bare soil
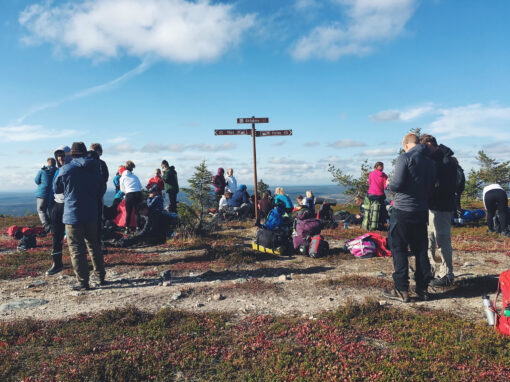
294,285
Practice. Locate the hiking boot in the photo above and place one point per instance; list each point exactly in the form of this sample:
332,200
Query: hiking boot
422,294
80,287
490,230
57,265
442,282
505,233
394,294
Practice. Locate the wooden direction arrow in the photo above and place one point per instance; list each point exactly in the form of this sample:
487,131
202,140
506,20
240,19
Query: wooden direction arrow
269,133
252,120
233,132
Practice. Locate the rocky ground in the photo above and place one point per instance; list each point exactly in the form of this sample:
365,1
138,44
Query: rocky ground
190,279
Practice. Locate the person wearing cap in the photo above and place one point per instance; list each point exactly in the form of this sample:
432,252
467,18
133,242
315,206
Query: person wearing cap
154,200
83,187
171,185
43,180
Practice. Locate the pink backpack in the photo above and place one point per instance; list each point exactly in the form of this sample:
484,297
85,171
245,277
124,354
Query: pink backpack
362,247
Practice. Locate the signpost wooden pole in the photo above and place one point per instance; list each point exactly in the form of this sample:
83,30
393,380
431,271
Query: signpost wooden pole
254,133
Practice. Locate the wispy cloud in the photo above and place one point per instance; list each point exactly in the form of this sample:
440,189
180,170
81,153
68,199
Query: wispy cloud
404,115
346,143
368,22
311,144
89,91
25,133
380,153
174,30
176,147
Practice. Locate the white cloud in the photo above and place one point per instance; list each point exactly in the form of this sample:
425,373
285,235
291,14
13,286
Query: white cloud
404,115
381,153
311,144
175,30
346,143
25,133
369,22
474,120
202,147
302,5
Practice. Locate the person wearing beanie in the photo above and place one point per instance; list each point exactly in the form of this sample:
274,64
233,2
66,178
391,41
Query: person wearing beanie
43,180
83,187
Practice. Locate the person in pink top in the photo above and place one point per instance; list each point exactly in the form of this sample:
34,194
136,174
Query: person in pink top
377,180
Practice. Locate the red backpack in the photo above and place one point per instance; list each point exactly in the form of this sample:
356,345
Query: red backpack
503,321
11,231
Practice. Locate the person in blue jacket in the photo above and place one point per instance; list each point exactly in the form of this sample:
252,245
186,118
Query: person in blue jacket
275,218
43,180
240,197
281,196
83,187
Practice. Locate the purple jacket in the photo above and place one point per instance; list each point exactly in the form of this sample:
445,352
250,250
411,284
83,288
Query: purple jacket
219,182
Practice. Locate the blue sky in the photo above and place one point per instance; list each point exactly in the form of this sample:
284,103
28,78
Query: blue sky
152,79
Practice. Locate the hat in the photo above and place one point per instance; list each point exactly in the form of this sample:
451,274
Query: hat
78,148
153,189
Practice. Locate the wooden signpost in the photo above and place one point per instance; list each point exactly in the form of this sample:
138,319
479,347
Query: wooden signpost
254,133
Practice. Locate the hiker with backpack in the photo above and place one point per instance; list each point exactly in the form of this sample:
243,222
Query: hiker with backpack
377,183
496,198
132,188
83,187
43,179
280,196
265,204
171,185
414,179
219,183
441,207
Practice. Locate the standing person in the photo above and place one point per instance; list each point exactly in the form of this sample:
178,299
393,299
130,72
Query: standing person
231,182
43,180
377,183
103,170
57,212
83,186
412,184
461,185
171,185
130,185
219,183
496,198
157,181
441,207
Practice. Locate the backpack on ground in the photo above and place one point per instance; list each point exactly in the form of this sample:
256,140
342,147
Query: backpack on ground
326,216
362,247
503,319
273,242
318,247
27,242
11,231
372,217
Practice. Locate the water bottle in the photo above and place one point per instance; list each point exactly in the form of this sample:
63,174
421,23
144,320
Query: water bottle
346,225
489,310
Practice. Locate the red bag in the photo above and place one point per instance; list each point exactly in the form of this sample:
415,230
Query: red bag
120,220
318,247
503,322
11,231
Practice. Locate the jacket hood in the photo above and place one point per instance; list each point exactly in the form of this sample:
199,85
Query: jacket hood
221,171
446,150
67,152
242,187
419,148
86,162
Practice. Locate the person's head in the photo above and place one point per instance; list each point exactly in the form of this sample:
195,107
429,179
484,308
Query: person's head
379,166
266,194
164,165
143,209
430,142
410,140
97,148
121,169
130,165
51,162
242,187
281,191
153,191
61,157
228,194
230,172
309,194
299,199
78,150
157,172
221,171
358,200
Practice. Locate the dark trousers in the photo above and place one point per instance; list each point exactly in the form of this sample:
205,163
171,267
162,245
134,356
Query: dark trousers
57,227
409,230
458,207
172,204
379,198
100,221
496,200
133,199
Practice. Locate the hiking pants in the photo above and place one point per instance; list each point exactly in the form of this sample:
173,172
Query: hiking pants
80,238
409,229
496,200
458,207
172,201
58,228
439,232
133,199
42,211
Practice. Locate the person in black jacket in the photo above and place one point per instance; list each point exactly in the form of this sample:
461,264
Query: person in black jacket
442,205
157,226
103,169
412,184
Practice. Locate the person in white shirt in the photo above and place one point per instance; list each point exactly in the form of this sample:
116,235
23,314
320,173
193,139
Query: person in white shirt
130,185
231,181
223,204
496,198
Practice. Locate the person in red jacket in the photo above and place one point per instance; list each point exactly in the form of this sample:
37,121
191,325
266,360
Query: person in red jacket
157,181
377,180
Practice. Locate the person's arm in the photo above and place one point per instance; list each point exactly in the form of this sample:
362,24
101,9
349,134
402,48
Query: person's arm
121,184
38,177
58,184
399,177
385,180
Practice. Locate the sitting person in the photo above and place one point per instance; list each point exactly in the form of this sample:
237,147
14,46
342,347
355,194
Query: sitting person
275,218
265,204
309,201
155,230
239,197
299,204
357,218
377,182
280,196
155,200
223,204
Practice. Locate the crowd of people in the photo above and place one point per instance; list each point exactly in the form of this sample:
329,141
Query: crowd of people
426,188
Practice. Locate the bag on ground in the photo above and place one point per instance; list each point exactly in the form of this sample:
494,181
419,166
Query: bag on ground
272,242
318,247
362,247
503,319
